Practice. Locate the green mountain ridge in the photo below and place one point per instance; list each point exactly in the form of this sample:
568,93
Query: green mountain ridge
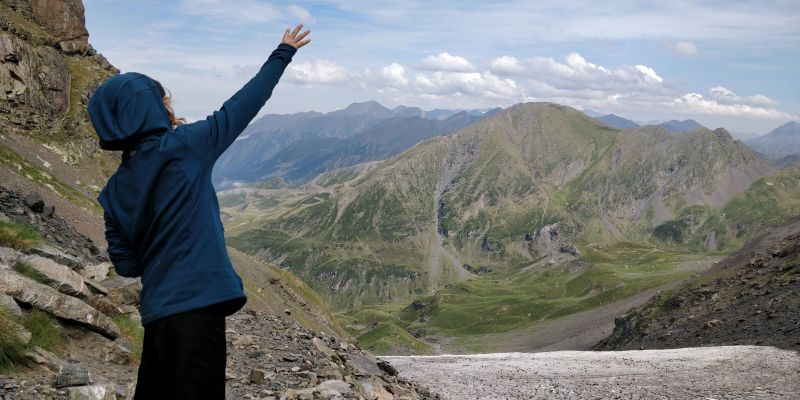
528,191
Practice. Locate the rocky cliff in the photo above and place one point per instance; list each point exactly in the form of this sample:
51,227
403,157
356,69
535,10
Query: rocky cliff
48,70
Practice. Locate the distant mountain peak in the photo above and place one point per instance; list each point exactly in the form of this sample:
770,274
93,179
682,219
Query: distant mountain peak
366,107
686,125
616,121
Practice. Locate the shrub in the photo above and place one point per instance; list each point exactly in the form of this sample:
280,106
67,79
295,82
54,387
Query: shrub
133,331
11,348
18,236
45,331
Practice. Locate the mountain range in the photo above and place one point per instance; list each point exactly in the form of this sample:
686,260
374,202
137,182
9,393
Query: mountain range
469,233
300,146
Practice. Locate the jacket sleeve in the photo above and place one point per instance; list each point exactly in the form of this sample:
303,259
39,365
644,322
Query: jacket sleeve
119,252
209,138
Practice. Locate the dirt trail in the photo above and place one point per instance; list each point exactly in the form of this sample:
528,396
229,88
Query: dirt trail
735,372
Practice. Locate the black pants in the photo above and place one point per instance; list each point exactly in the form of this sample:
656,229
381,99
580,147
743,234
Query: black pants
184,356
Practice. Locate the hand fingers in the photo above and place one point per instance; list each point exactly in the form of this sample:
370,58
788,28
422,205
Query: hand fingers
303,43
286,33
304,34
297,29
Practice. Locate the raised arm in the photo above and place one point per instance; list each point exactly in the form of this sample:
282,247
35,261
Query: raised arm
209,138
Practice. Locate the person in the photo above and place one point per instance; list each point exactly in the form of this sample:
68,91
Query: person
162,221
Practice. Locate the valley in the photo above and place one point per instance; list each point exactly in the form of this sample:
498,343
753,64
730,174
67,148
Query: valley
518,221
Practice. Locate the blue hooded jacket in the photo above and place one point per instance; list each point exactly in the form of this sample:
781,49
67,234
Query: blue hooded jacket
161,213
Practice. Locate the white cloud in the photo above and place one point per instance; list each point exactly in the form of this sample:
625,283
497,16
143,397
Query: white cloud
695,103
447,62
395,75
506,65
685,48
726,96
649,72
318,71
300,13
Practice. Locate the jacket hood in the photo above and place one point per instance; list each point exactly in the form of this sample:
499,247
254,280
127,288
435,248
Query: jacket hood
126,108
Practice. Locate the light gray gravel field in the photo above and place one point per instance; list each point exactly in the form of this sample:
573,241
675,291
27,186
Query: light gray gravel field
732,372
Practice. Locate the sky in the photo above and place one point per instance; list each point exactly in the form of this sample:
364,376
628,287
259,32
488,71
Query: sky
731,64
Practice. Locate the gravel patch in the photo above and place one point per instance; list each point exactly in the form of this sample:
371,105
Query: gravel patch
733,372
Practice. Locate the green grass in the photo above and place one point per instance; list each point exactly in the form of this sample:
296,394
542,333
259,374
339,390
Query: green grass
12,350
45,331
131,330
26,270
18,236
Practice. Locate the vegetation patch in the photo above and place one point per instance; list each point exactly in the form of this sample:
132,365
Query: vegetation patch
12,350
18,236
45,331
133,331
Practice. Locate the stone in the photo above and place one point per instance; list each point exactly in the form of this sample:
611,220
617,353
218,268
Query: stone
23,334
35,202
58,276
97,272
9,304
48,251
374,390
334,384
28,291
120,351
122,290
95,287
322,347
72,374
4,218
330,373
93,392
49,211
257,376
38,356
387,368
9,256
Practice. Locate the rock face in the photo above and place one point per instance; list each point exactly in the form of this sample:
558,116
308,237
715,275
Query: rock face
37,77
751,297
65,20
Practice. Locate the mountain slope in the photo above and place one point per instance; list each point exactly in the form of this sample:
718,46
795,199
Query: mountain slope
781,141
749,297
533,213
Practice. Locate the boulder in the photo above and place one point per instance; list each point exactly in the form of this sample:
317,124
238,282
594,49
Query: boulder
97,272
72,374
123,291
58,276
373,390
26,290
48,251
38,356
35,202
93,392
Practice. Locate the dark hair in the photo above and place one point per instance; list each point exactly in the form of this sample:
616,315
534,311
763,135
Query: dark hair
167,97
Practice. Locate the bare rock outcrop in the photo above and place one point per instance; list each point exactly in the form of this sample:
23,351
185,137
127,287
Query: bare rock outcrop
28,291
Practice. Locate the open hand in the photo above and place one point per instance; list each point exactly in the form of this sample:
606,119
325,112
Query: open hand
293,39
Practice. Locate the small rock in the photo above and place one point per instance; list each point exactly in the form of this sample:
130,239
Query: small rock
118,352
72,374
257,376
9,256
4,218
92,392
38,356
98,272
374,390
35,202
295,369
